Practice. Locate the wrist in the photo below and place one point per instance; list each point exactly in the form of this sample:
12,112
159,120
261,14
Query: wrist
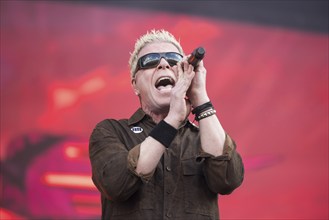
164,133
173,121
197,101
198,97
203,111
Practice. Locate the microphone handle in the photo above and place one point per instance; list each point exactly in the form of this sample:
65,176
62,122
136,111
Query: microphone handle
196,56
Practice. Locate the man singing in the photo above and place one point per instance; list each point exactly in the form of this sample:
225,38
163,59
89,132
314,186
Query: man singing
157,164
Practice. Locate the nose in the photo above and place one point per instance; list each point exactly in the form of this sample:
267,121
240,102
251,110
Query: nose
163,64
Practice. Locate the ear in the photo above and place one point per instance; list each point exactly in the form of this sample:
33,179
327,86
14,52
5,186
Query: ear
133,84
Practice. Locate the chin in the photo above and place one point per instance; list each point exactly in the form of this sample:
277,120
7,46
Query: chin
162,107
163,101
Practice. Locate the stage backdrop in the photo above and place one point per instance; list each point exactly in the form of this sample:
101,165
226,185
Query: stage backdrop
64,67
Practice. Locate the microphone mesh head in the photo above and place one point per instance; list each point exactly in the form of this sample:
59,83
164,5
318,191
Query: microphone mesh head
200,52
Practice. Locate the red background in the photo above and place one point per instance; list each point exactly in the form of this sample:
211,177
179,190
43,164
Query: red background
64,68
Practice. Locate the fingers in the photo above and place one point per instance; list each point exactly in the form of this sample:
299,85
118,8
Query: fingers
185,69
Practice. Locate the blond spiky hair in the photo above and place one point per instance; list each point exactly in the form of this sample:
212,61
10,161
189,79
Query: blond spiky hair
150,37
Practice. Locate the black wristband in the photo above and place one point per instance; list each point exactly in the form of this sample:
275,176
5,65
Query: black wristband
197,110
164,133
205,114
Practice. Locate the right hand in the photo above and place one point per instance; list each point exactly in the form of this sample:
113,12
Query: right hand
180,107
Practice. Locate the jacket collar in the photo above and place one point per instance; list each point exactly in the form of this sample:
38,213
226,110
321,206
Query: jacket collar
137,116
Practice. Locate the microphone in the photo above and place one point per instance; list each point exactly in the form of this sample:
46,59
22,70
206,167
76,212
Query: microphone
196,56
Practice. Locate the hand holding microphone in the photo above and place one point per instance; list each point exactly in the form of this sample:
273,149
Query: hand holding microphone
197,88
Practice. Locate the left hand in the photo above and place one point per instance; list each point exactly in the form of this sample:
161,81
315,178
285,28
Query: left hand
197,92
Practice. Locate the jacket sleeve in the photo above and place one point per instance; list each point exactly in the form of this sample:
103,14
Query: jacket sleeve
112,171
226,172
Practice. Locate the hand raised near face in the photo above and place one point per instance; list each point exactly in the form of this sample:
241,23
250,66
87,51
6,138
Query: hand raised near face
180,107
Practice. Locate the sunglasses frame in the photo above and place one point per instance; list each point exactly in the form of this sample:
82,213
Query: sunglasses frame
162,55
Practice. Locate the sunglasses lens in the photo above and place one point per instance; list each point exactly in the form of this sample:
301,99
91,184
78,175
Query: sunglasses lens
150,60
173,58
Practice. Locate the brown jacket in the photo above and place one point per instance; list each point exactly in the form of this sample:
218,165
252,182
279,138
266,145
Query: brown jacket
185,184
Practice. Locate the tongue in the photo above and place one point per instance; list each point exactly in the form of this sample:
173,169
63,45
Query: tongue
164,87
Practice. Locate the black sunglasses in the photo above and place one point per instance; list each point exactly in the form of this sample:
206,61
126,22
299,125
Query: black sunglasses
151,60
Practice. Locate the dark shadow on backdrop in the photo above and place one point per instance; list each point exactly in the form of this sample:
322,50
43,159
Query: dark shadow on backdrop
309,15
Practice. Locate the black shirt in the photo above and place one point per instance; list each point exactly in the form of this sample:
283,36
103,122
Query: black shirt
184,185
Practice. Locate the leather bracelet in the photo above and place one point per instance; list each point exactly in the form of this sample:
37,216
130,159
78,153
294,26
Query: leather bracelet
164,133
205,114
197,110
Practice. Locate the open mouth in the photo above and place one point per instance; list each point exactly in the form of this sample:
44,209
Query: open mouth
165,82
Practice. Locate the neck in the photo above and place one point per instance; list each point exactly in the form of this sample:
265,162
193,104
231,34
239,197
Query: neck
156,116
